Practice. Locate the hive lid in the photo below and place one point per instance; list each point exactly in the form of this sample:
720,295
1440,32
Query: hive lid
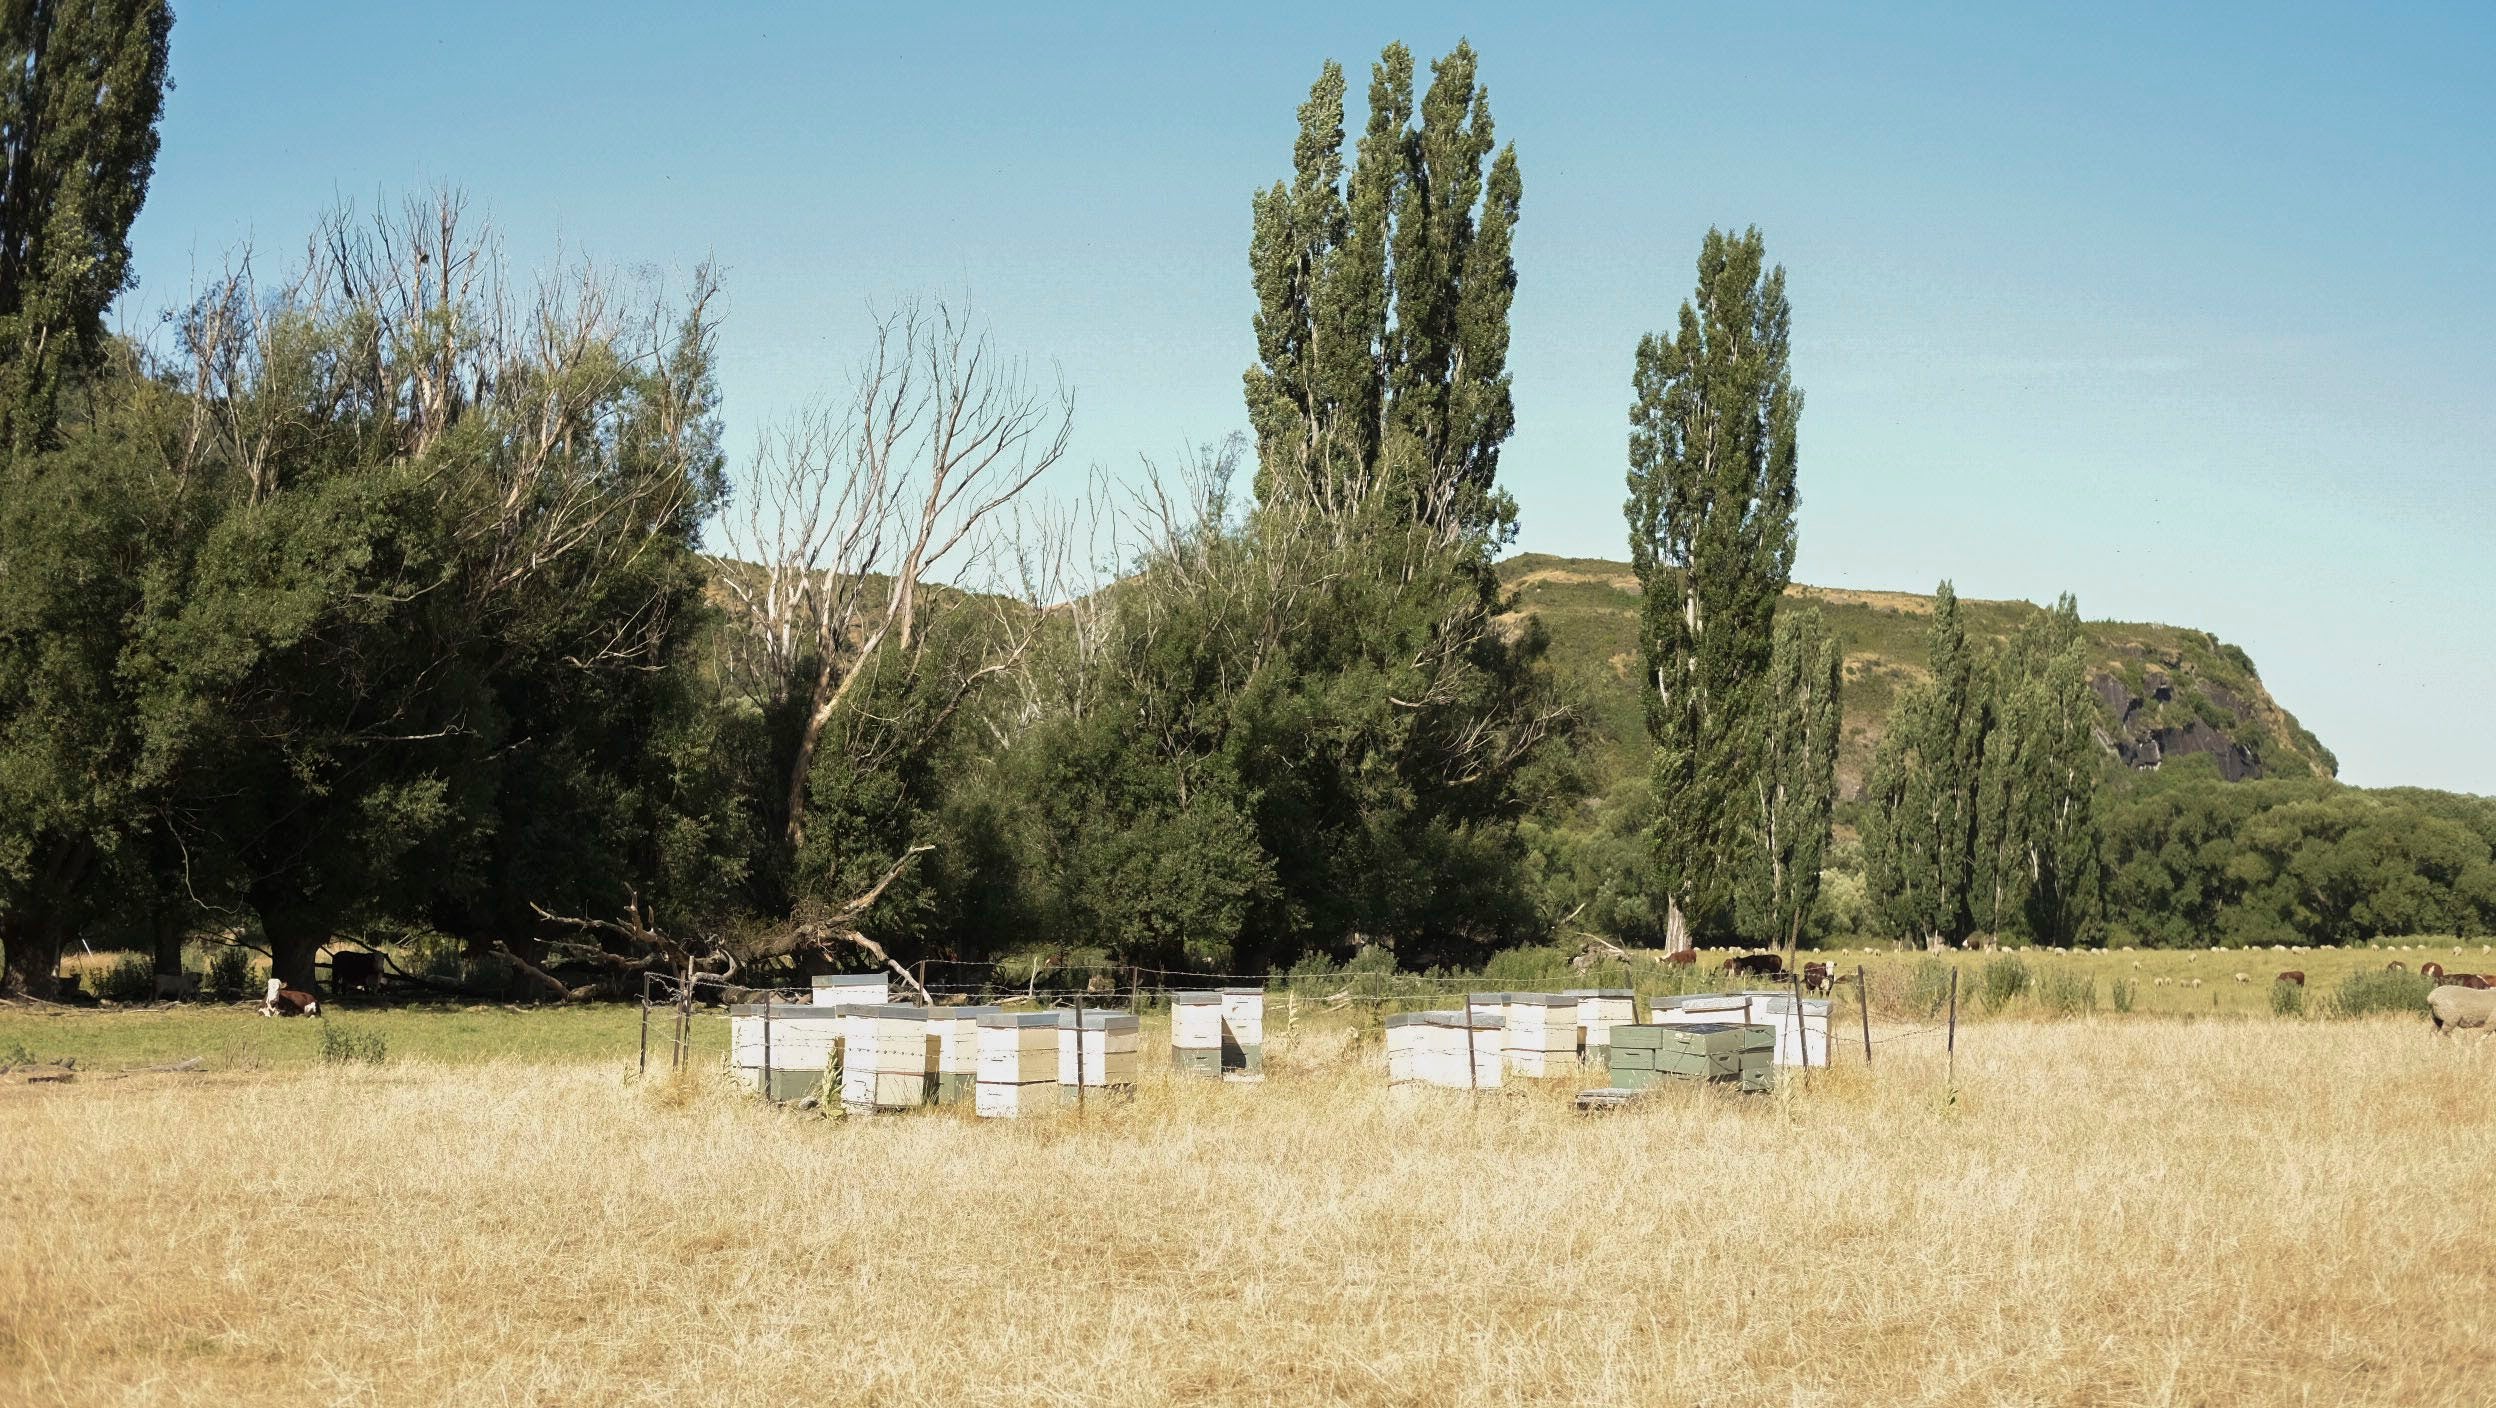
895,1012
784,1011
1193,997
1018,1019
1100,1021
1784,1006
1479,1021
851,980
1598,992
1541,999
1488,999
1244,992
1415,1019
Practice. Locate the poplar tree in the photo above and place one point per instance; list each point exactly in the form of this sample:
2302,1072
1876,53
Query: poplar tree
1923,796
1382,306
80,93
1711,535
1794,787
2038,850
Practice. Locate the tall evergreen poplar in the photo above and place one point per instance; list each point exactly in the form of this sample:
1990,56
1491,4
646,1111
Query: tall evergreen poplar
1711,534
1923,797
1382,306
2037,847
82,86
1793,789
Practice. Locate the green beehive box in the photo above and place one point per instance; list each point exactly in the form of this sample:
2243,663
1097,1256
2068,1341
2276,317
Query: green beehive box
1641,1056
1204,1061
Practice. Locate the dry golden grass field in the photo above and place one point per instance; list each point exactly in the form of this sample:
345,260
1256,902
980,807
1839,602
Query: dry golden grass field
2136,1211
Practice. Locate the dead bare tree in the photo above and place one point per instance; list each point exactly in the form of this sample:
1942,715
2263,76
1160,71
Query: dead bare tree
851,512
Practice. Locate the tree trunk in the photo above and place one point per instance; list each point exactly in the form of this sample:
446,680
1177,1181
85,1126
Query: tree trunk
1676,928
29,952
295,937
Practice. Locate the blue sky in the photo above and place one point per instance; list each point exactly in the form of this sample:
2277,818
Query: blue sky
2189,310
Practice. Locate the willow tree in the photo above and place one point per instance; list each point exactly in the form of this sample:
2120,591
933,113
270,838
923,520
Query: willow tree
1712,452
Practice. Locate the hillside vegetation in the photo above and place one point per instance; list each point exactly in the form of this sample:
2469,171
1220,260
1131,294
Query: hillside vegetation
2167,690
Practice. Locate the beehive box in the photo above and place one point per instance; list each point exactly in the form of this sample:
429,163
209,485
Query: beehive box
1196,1032
956,1032
785,1055
1243,1033
1453,1049
1541,1034
1102,1052
1642,1056
995,1101
1700,1007
845,989
886,1054
1599,1010
1802,1031
1017,1048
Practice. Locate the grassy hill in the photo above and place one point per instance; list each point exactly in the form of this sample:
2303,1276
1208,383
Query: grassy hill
2166,690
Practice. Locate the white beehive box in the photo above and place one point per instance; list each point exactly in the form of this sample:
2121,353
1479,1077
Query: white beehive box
1599,1010
1461,1049
1017,1048
885,1057
1196,1021
844,989
1243,1017
1541,1039
1701,1008
801,1038
1802,1035
956,1030
996,1101
1102,1052
1407,1035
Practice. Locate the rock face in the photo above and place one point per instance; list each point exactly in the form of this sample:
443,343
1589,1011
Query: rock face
2165,718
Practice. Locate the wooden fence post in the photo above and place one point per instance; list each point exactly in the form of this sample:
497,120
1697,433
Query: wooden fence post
1863,1003
1954,1027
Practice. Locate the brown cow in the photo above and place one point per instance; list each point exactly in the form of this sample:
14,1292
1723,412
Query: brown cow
284,1001
2466,980
1754,965
2396,966
1681,958
1819,977
2293,975
2432,969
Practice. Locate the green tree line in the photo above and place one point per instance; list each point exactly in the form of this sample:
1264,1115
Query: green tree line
383,595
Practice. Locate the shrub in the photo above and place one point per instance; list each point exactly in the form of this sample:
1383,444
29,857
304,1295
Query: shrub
341,1045
2365,992
129,978
1928,991
228,978
2122,993
2067,994
2002,981
2287,1000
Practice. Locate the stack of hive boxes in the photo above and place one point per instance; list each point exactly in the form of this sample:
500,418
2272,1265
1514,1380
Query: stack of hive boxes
1802,1028
1642,1056
1459,1049
1599,1010
956,1033
886,1053
1541,1038
1243,1033
1100,1052
783,1049
1196,1044
1017,1064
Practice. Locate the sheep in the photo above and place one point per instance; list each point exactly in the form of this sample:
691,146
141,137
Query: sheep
2244,977
2196,982
2458,1007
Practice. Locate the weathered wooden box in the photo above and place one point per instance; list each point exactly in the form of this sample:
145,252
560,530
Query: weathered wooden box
956,1067
1243,1030
1802,1030
1017,1064
1599,1010
1709,1051
997,1101
1196,1022
1541,1034
886,1056
1457,1049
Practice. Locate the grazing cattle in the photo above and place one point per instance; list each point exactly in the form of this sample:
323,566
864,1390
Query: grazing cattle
1680,958
1754,964
2396,966
284,1001
2293,975
2465,980
2432,969
1819,977
2453,1007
